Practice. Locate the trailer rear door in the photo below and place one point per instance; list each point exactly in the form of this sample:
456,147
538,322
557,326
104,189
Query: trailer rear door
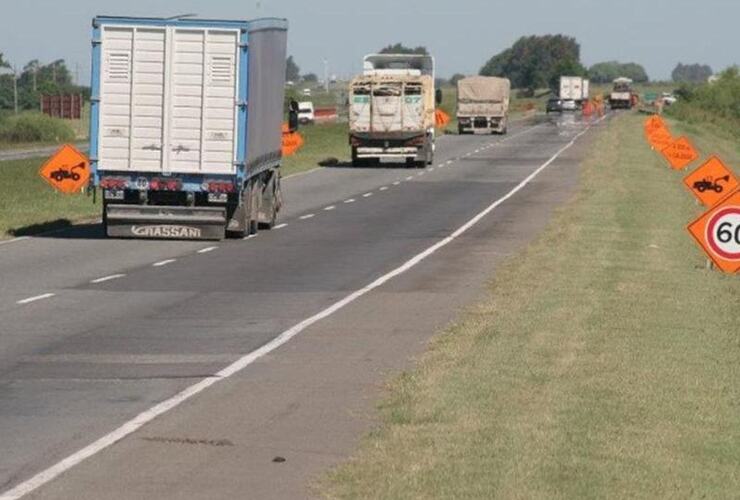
168,99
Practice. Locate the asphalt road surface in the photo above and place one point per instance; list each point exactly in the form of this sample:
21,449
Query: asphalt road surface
96,333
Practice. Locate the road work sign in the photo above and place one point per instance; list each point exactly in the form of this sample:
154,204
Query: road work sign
718,233
654,123
291,142
660,138
67,171
680,153
711,182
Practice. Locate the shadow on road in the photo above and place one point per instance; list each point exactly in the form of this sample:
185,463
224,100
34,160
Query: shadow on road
62,229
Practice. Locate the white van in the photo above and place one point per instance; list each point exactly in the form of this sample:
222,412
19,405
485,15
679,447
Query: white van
305,112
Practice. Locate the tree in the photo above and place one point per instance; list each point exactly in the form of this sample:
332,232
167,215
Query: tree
456,78
607,72
399,48
534,61
292,71
691,73
310,78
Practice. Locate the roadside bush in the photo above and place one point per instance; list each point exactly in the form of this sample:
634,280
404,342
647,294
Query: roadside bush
34,127
717,103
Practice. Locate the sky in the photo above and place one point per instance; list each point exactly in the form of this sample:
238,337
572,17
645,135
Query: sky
461,34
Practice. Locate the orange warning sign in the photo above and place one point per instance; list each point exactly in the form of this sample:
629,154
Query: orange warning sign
654,123
680,153
441,118
67,171
660,138
292,141
718,233
711,182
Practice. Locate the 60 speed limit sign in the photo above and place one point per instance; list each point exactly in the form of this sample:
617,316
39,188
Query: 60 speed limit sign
718,233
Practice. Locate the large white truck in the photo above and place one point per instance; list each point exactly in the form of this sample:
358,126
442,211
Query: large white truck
392,107
483,105
185,133
621,96
574,88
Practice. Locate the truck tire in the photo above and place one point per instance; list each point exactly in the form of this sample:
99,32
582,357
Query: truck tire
358,162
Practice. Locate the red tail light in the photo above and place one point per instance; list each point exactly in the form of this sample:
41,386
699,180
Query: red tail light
165,184
220,187
416,141
116,183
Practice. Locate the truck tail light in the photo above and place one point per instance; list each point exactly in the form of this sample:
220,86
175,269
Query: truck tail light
165,184
416,141
115,183
219,187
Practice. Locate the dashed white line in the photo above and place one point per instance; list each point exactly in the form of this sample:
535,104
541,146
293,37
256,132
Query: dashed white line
145,417
280,226
248,237
397,183
449,162
330,208
34,299
163,262
307,216
367,195
431,169
351,200
409,177
107,278
383,188
420,174
207,249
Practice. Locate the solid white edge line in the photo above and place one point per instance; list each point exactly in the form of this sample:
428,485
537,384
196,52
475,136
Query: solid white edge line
299,174
163,262
107,278
249,237
280,226
14,240
147,416
28,301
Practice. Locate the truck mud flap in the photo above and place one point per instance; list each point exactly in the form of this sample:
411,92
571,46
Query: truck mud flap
179,223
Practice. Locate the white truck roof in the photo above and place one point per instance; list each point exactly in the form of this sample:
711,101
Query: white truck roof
374,63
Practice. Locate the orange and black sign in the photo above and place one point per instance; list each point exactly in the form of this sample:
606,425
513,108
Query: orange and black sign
67,171
680,153
718,233
711,182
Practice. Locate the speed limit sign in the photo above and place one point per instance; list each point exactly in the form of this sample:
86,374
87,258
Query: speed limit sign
718,233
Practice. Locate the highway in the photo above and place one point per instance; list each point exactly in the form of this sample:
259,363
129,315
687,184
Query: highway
95,332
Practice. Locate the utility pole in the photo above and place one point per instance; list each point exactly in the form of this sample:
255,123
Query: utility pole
15,89
326,75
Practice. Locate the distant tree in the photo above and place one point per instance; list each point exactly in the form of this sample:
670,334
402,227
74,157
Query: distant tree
399,48
310,78
292,71
534,61
691,73
606,72
3,62
566,67
456,78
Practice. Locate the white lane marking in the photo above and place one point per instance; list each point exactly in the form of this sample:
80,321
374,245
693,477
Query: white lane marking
351,200
107,278
442,166
240,364
248,237
431,169
383,188
420,174
298,174
367,195
409,177
280,226
207,249
307,216
28,301
163,262
397,183
14,240
449,162
330,208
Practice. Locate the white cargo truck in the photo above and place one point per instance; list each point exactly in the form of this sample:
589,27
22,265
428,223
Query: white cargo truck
392,107
483,105
185,133
574,89
621,96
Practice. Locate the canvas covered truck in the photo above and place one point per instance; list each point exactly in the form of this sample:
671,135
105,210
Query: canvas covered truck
483,105
186,117
621,96
392,106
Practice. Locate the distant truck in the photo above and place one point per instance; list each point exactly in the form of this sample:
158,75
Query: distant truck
621,96
575,89
391,110
483,105
185,133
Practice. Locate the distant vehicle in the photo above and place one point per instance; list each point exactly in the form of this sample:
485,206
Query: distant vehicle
621,96
289,83
306,92
554,105
164,176
574,88
306,112
483,104
669,99
392,109
569,105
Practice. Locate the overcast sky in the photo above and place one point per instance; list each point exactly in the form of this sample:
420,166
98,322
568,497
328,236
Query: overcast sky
461,34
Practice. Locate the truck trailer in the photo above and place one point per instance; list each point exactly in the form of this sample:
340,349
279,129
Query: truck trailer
621,96
574,88
392,106
185,132
483,105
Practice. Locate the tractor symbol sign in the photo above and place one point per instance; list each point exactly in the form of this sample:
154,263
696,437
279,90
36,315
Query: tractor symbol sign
711,182
67,170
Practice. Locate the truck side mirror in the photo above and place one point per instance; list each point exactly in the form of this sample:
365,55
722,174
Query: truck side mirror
438,96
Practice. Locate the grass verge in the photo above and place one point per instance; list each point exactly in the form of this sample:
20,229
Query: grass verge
603,363
28,205
321,143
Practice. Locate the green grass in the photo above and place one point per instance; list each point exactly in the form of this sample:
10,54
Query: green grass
28,204
603,363
322,142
